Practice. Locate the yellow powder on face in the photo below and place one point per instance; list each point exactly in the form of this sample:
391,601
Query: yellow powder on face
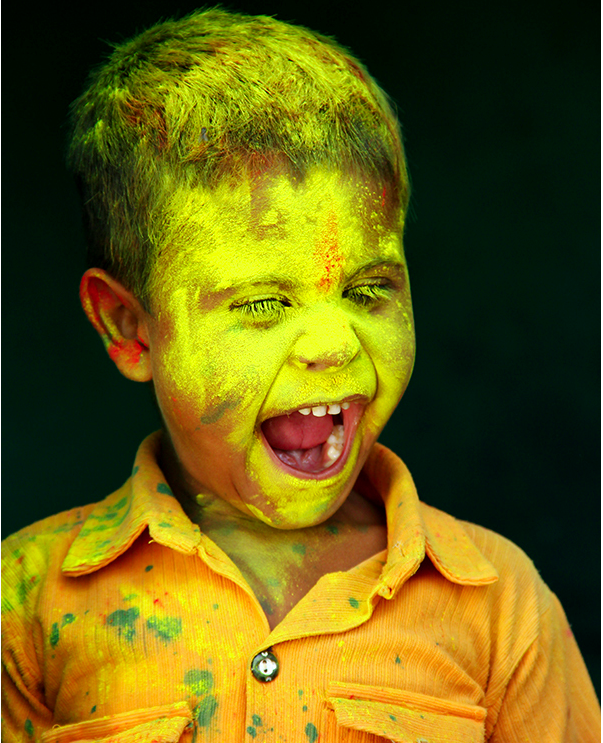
261,306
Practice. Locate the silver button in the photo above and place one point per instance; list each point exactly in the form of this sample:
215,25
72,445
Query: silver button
265,666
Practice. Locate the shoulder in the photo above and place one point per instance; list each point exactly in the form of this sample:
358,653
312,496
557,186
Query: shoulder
514,566
31,553
519,597
506,557
55,528
513,615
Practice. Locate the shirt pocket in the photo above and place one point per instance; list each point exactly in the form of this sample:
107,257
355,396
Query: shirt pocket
164,724
405,716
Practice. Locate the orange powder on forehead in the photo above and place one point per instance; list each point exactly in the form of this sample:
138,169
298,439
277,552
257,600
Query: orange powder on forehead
328,254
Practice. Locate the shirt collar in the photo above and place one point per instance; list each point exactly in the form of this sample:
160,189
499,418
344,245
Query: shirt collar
414,529
145,500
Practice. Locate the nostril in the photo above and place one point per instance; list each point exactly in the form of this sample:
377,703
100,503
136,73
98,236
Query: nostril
327,359
313,365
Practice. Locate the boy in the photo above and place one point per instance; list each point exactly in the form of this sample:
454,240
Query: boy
267,571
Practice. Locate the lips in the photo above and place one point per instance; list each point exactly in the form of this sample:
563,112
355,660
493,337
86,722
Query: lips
310,446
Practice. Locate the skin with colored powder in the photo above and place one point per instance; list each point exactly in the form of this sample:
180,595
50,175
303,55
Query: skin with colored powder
257,313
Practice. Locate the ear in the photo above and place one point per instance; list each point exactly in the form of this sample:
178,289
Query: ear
121,322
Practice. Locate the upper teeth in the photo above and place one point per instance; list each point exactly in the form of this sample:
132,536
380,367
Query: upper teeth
321,410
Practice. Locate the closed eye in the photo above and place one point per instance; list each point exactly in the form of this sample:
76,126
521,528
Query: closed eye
269,308
367,295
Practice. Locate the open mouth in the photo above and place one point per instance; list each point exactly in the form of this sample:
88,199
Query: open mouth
314,440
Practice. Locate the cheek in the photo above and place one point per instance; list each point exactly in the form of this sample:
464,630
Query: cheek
391,345
391,340
187,375
208,378
397,350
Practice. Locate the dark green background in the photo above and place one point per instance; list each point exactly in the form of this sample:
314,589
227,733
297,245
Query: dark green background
500,108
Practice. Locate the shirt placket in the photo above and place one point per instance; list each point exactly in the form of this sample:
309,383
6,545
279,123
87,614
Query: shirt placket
281,682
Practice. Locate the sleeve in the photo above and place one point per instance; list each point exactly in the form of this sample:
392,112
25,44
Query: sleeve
24,713
550,697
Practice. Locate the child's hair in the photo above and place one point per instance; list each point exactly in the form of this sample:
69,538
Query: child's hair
209,98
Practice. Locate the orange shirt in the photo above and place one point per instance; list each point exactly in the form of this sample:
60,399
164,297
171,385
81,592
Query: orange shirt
122,622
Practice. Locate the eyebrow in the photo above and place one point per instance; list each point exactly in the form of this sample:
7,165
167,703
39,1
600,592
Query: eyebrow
378,263
285,283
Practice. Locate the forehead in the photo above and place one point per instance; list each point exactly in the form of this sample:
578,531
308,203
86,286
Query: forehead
272,221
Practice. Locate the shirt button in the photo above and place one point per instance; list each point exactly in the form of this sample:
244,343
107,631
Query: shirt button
265,666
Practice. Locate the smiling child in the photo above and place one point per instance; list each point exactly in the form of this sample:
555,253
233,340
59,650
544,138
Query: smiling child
267,572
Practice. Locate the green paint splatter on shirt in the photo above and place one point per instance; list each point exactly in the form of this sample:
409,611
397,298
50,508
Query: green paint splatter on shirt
67,619
391,717
123,617
332,529
206,709
135,470
165,628
148,567
54,635
311,732
165,525
199,681
25,587
124,620
299,549
305,708
252,731
257,721
353,603
111,511
109,515
93,709
29,727
266,606
66,527
398,659
165,489
300,693
216,606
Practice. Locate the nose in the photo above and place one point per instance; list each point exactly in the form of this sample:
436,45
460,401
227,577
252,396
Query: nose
328,342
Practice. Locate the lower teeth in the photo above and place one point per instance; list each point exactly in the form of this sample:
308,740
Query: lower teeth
333,454
335,442
336,436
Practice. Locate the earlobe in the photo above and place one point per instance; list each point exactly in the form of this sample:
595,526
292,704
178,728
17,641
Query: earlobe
121,322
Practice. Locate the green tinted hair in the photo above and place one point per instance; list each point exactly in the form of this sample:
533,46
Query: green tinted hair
217,95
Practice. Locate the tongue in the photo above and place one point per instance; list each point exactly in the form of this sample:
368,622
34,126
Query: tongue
297,431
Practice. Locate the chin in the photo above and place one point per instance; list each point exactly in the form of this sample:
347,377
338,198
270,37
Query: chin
299,491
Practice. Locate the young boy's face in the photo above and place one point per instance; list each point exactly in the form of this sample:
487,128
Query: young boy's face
271,298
